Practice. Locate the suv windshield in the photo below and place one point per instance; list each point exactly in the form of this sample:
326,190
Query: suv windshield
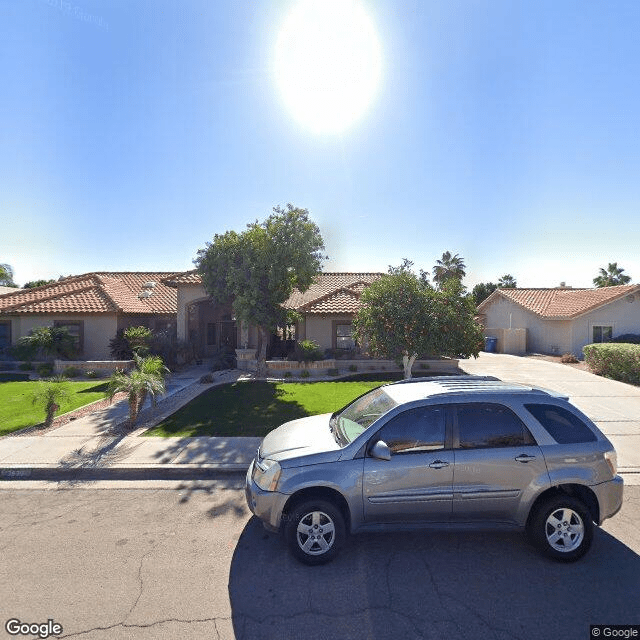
351,421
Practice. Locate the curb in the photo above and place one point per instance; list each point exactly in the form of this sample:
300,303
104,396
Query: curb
121,472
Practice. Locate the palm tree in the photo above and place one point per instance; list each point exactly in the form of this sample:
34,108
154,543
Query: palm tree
507,282
611,276
49,395
147,379
447,268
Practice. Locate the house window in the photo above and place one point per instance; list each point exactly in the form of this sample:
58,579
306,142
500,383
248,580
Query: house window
76,330
344,336
602,333
5,335
211,334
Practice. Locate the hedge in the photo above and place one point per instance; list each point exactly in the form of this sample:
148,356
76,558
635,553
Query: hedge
614,360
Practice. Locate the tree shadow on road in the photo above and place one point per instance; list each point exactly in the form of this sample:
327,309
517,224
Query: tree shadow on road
430,585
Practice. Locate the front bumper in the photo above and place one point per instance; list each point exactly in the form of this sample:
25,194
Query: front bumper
609,497
266,505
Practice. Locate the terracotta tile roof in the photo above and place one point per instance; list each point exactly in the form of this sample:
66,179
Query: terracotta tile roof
330,293
101,292
333,292
4,290
563,302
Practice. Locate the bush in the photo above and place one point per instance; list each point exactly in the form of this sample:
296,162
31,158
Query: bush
71,372
334,372
353,368
618,361
94,374
287,374
305,374
25,366
628,338
44,370
309,351
14,377
224,359
207,378
568,358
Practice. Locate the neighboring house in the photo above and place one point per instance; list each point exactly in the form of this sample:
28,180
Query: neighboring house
327,309
4,290
560,320
92,306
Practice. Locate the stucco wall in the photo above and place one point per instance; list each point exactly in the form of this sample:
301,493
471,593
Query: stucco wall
187,295
320,328
98,331
543,336
622,315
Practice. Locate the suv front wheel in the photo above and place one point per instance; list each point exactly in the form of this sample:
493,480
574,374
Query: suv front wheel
315,531
562,528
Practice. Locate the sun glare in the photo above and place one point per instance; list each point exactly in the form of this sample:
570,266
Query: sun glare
327,63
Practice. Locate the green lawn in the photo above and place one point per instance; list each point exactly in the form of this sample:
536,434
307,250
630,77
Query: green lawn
17,410
255,408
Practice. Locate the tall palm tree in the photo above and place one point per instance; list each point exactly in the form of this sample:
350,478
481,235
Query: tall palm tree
447,268
611,276
507,282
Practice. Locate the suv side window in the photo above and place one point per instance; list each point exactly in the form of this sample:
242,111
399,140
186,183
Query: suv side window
485,424
562,425
416,430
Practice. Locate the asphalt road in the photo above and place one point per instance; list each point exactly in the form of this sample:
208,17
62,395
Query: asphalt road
165,560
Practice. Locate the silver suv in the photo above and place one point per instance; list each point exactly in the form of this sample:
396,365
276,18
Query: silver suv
438,452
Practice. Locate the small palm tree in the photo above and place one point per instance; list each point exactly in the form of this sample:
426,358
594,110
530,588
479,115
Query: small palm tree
447,268
147,379
49,395
611,276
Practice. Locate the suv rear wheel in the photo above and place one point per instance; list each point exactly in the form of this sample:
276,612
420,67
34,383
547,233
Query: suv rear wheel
315,531
562,528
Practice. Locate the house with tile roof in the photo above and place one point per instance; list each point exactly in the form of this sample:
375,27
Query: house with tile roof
327,309
93,306
559,320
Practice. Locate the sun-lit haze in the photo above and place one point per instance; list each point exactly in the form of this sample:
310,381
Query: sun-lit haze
503,131
327,63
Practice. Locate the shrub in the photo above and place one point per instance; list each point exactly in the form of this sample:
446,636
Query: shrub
568,358
628,338
94,374
138,339
14,377
224,359
617,361
207,378
71,372
25,366
44,370
288,374
353,368
424,366
305,374
334,372
49,395
310,351
55,342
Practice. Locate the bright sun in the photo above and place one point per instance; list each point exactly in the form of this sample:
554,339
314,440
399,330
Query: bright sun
328,63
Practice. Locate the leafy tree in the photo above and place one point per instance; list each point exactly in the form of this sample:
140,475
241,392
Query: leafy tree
37,283
147,379
50,341
611,276
402,317
257,270
447,268
6,276
482,291
507,282
49,395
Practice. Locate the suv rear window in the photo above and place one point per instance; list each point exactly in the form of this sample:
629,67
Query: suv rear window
482,425
562,425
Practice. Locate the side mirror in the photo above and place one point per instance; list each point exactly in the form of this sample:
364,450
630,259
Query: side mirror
380,450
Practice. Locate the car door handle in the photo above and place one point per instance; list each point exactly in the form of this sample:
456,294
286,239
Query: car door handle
438,464
523,457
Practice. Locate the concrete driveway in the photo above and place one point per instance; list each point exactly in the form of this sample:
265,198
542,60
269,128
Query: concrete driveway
613,406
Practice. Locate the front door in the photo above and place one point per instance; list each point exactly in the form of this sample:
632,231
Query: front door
416,484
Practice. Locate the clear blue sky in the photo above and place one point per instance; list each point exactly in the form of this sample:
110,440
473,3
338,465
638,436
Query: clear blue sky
505,131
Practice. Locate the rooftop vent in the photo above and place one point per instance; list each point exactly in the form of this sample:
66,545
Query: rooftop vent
563,285
149,285
147,293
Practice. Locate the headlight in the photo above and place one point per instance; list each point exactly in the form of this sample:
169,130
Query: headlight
266,474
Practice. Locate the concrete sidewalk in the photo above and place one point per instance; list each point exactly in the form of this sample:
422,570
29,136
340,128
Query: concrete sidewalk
98,447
